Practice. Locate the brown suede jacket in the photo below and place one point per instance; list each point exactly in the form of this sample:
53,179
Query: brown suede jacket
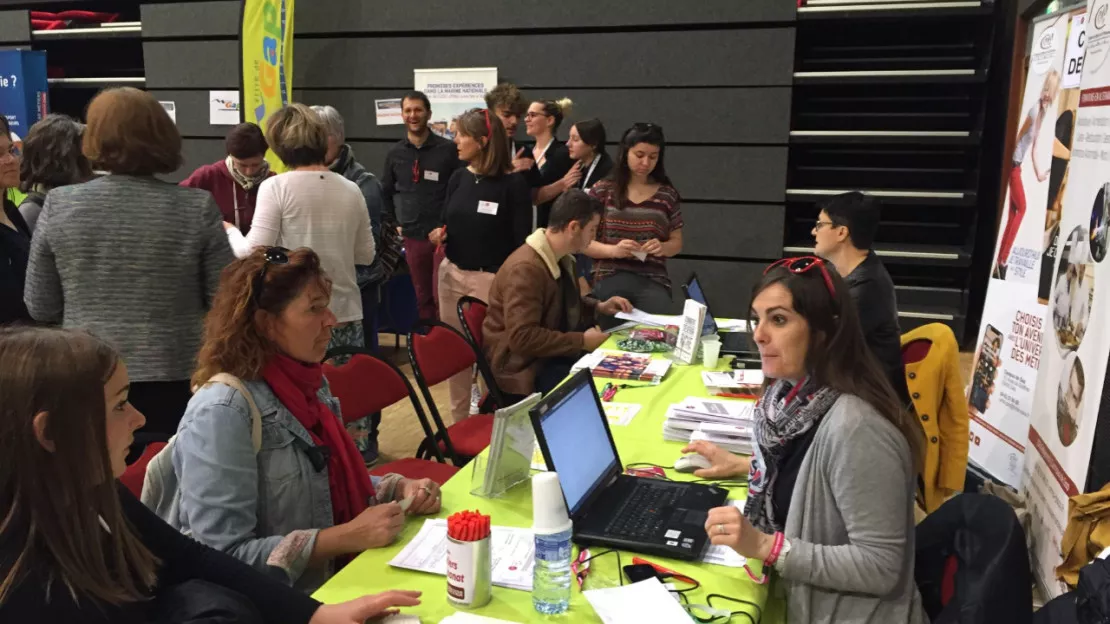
533,315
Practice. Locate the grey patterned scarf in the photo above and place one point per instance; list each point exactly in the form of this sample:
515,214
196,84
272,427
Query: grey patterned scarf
784,413
247,182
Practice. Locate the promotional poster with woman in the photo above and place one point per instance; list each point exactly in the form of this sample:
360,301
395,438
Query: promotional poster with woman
1074,350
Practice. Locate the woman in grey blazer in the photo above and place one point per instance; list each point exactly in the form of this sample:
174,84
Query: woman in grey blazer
130,258
831,482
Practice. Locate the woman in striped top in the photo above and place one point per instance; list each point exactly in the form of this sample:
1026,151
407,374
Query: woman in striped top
642,225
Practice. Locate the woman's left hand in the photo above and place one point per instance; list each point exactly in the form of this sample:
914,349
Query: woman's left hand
425,495
727,526
652,247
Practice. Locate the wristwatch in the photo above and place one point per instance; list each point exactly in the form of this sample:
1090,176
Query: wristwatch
779,563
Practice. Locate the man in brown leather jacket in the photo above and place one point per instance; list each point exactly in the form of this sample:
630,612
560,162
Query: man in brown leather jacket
538,323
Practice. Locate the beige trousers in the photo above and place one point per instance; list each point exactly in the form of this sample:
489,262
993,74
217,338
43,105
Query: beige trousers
454,284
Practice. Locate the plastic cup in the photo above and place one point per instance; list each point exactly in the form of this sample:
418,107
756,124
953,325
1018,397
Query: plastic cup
710,352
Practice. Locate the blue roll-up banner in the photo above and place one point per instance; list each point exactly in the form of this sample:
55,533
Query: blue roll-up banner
24,98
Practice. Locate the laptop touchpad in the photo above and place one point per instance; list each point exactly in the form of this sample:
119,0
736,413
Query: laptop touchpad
696,518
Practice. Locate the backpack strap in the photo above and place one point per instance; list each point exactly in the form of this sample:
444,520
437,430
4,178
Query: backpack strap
256,416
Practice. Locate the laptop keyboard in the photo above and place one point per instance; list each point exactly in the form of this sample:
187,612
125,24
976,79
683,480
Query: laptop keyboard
642,514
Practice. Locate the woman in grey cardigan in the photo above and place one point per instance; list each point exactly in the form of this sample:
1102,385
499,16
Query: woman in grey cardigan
831,483
130,258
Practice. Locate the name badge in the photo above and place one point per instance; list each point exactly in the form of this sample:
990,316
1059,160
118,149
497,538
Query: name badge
487,207
431,175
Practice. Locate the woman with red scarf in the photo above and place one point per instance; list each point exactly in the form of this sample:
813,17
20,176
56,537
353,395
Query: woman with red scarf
305,499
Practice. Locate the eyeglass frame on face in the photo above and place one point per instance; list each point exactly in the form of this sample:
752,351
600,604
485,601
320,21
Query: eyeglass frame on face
272,255
790,264
818,224
533,114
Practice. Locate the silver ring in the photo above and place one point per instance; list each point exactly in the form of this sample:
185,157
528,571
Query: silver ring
721,529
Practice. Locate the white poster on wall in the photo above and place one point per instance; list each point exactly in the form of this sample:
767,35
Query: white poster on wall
452,92
1076,345
1008,350
388,112
223,108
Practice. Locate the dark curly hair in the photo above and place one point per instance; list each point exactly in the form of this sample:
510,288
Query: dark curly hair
233,342
52,154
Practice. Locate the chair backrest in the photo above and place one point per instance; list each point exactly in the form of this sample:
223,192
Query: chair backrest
439,352
133,477
472,313
367,384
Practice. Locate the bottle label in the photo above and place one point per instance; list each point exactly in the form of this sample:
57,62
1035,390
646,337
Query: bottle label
553,548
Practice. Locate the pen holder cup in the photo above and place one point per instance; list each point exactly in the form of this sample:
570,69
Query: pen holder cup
469,573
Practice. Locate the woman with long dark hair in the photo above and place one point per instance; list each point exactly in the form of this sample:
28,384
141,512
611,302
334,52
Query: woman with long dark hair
51,158
831,483
486,216
586,146
15,236
642,225
75,545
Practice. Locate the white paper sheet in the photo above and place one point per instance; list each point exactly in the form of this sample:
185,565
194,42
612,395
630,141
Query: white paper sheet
655,320
646,601
723,555
512,554
461,617
223,108
731,325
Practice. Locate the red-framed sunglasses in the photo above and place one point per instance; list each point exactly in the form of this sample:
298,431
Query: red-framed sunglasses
802,264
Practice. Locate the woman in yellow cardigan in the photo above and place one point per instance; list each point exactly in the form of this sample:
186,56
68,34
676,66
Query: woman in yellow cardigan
938,396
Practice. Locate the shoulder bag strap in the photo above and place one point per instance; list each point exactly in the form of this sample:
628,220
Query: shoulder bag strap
256,416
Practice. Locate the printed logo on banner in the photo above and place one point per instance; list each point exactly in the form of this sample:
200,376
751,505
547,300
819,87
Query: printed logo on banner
1044,52
1098,41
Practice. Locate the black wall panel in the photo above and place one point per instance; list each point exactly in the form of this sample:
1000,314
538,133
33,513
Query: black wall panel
359,16
192,112
192,19
191,64
760,57
197,152
15,26
708,115
728,173
727,285
732,230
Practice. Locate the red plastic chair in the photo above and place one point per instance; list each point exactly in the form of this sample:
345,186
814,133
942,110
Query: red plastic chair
438,351
367,384
136,472
472,313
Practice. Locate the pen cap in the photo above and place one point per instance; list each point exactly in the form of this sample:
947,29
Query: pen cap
549,510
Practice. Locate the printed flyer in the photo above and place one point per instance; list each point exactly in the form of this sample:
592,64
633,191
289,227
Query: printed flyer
452,92
1075,347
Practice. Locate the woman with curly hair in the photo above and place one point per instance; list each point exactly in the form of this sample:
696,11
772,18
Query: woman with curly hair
304,498
51,158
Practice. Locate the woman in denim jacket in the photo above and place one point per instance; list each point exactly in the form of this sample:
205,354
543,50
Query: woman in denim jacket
306,499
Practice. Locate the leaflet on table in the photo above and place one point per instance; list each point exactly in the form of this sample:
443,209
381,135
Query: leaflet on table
462,617
512,552
715,410
732,381
619,415
645,318
621,365
723,555
646,601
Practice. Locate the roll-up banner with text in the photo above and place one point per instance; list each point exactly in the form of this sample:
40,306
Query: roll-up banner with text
1009,348
1076,345
266,51
452,92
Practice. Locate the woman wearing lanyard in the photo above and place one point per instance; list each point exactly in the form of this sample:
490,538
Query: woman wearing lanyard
550,154
586,145
642,226
488,213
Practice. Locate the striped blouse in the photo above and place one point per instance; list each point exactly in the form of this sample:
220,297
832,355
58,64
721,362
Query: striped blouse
655,217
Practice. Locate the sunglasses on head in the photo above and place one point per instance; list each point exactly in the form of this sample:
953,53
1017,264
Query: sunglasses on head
272,255
803,264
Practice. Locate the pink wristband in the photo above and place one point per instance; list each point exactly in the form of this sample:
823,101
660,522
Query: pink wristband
776,550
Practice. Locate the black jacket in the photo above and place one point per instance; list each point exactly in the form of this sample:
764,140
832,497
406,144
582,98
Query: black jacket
873,291
15,246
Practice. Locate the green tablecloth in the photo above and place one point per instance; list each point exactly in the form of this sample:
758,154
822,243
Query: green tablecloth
640,441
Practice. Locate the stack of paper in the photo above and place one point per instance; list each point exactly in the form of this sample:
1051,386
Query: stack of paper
746,382
512,554
620,365
728,424
654,320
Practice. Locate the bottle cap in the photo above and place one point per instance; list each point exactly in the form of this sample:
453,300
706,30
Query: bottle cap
549,510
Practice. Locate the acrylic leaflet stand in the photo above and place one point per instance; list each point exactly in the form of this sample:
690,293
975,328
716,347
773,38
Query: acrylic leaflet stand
509,461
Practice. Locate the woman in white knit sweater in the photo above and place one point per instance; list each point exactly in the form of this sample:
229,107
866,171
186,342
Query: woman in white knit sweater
311,206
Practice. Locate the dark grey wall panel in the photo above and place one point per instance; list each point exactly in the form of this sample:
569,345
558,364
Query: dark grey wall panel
192,113
726,115
761,57
732,230
350,16
15,26
191,64
728,173
192,19
197,152
727,284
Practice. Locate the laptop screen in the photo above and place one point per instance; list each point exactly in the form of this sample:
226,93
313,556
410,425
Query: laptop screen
578,442
693,291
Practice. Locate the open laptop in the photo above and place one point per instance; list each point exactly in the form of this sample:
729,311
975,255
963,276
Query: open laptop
607,507
732,343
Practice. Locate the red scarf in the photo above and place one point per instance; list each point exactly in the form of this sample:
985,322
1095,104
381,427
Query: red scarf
295,384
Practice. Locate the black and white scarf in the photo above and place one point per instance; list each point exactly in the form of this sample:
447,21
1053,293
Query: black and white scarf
784,413
247,182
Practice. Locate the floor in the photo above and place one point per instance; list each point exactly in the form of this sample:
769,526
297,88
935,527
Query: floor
400,430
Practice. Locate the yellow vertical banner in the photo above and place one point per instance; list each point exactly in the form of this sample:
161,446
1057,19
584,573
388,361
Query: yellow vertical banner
266,55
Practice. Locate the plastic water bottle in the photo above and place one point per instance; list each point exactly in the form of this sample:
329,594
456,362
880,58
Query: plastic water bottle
552,528
551,576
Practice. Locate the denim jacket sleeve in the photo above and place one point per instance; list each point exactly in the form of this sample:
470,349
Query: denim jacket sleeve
217,470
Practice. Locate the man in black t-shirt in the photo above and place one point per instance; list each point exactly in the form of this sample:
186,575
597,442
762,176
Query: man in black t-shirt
844,232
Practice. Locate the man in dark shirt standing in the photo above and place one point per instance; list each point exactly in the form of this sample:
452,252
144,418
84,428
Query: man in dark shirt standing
414,187
845,231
